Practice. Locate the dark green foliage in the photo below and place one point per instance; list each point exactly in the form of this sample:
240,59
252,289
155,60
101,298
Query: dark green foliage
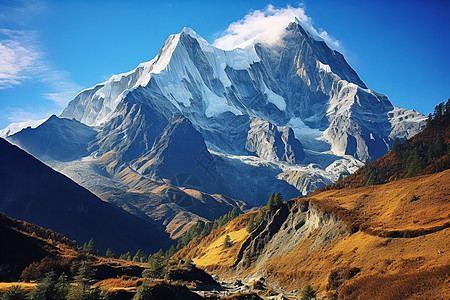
15,292
371,175
395,146
202,229
171,251
90,247
140,256
157,263
227,243
50,288
274,201
84,279
144,292
307,293
271,202
110,253
85,274
256,219
79,293
63,284
126,256
251,225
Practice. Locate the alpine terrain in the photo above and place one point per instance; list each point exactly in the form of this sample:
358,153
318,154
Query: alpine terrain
199,130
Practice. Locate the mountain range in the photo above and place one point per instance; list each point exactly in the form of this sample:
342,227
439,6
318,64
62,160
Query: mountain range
199,130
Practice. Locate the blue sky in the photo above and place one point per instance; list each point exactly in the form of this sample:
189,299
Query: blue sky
50,50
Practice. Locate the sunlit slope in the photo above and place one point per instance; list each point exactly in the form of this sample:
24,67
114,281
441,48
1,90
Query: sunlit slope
394,235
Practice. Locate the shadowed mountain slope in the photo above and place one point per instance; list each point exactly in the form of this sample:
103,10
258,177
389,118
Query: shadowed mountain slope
33,192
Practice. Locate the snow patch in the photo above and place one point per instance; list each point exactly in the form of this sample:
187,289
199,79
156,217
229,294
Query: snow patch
324,67
275,99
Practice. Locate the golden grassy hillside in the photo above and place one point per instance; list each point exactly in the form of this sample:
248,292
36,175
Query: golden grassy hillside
400,247
209,253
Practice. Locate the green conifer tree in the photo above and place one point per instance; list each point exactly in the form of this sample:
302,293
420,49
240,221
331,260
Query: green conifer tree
307,293
139,255
15,292
227,242
110,253
271,202
91,247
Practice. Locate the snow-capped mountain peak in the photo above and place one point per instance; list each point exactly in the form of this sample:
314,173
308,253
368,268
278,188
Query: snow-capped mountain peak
298,82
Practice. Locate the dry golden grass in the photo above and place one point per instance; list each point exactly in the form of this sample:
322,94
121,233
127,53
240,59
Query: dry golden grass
24,285
419,206
215,254
414,205
122,283
209,253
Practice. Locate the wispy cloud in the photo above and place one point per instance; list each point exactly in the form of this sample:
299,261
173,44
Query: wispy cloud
23,115
22,59
267,26
18,57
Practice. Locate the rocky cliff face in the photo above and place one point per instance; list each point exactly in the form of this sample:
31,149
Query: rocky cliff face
274,143
282,230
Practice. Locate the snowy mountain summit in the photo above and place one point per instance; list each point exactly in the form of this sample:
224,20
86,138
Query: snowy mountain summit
287,116
298,83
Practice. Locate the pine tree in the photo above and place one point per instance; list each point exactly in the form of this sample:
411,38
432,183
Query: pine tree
85,247
139,255
227,242
85,274
271,202
144,292
171,251
126,256
15,292
110,253
395,146
90,248
46,289
63,285
414,165
307,293
251,225
278,199
155,267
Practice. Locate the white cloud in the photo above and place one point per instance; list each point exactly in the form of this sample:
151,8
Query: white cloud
17,58
21,59
267,26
